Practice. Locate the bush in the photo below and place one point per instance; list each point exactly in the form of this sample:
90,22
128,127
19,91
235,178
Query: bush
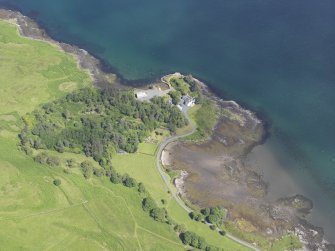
212,227
57,182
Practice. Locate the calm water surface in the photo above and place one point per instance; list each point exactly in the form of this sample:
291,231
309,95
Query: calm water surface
278,57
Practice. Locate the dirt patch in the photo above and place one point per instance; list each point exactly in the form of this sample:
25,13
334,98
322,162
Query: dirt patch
8,118
68,86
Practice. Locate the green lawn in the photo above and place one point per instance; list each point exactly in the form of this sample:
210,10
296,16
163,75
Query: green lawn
79,214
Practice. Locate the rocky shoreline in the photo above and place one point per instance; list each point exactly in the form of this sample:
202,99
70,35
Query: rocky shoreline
291,210
221,161
30,29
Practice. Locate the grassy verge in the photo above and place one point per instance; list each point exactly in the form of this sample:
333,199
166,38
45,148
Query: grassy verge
205,117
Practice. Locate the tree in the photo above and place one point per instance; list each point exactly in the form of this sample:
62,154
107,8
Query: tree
115,177
186,237
175,96
98,172
141,188
180,228
148,204
158,214
206,211
129,182
57,182
213,218
70,163
194,240
66,114
87,169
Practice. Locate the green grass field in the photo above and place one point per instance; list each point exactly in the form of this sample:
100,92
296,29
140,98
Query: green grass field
79,214
141,166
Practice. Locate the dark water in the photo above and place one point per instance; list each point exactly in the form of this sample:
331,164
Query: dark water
278,57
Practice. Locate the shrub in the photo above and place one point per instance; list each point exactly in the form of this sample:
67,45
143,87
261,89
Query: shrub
57,182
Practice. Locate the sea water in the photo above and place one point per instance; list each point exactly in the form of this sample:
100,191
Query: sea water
276,57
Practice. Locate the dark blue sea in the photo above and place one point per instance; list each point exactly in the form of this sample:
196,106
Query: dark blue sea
276,57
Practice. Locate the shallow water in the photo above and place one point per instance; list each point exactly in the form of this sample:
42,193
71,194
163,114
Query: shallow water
277,57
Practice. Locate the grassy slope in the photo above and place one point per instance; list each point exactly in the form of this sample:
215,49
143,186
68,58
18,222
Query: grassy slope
141,166
80,214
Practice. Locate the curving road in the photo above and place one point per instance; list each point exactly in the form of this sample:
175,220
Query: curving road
166,178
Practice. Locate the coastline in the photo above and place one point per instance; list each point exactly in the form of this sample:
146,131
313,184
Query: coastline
193,187
29,28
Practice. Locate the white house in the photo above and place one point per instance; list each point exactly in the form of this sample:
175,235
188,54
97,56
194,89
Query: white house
141,94
188,100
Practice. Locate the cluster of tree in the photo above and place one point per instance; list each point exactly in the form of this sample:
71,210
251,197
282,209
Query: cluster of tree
44,158
125,179
158,214
186,85
196,216
97,123
214,215
194,240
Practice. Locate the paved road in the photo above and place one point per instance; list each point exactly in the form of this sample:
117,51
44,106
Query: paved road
166,178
